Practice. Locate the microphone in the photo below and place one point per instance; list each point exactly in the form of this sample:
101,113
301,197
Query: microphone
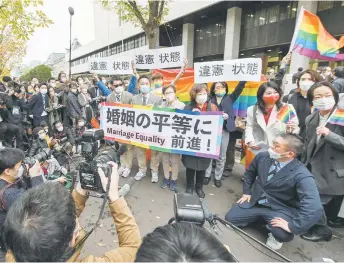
126,187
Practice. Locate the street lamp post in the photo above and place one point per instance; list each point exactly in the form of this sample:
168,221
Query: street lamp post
71,12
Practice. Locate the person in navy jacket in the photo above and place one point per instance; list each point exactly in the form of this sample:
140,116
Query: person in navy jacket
279,190
224,102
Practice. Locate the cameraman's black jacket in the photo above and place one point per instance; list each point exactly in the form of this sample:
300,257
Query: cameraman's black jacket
14,113
65,133
37,146
12,193
78,132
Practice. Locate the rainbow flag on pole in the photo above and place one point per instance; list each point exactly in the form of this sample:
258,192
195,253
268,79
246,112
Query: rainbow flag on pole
337,117
312,40
286,113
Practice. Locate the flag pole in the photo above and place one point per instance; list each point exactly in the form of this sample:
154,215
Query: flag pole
333,112
297,28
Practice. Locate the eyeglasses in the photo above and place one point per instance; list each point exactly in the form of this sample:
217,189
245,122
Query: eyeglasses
116,86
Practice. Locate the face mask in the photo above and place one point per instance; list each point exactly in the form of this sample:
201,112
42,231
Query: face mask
81,124
41,136
104,81
324,103
74,90
118,89
275,155
327,74
157,85
220,93
201,99
30,92
46,130
63,79
305,85
53,85
20,172
144,89
271,99
81,82
170,97
44,91
60,128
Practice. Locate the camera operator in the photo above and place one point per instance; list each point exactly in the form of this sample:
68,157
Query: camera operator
11,114
39,141
78,131
170,244
60,132
53,220
12,184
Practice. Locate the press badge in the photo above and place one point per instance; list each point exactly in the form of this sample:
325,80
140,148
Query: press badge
15,110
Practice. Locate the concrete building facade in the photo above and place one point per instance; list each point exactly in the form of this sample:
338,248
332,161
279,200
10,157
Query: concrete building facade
215,30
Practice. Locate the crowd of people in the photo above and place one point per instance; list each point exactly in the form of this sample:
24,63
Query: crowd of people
296,187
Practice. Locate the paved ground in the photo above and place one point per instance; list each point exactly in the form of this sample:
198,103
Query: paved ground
152,207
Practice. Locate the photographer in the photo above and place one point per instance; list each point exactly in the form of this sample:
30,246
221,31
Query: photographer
12,184
53,220
59,133
39,141
11,115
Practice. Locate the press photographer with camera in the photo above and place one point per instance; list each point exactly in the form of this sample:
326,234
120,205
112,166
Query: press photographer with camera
60,132
11,105
49,230
12,184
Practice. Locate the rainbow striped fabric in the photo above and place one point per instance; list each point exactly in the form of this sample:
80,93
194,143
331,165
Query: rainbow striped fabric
312,40
337,117
286,113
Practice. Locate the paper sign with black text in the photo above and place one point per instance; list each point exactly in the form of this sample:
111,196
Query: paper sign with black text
160,58
112,65
163,129
246,69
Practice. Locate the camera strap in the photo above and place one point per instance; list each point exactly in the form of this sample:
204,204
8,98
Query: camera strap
71,251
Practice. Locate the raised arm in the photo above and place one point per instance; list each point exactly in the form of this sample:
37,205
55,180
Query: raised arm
102,86
181,72
238,90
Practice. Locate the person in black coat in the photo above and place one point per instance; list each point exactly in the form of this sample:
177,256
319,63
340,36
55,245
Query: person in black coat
38,104
197,165
73,106
279,190
338,82
39,143
224,102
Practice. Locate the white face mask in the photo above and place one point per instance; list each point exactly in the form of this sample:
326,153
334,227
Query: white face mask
44,91
53,85
201,99
119,89
60,128
41,136
20,172
170,97
327,74
274,155
305,85
81,124
104,81
324,103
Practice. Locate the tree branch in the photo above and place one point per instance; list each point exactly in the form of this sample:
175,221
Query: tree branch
137,13
161,10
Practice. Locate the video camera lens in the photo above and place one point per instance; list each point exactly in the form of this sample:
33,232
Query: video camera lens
42,156
108,156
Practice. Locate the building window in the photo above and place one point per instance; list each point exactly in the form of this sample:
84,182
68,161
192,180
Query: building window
325,5
255,17
210,38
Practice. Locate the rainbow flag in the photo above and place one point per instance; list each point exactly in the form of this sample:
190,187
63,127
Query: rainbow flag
337,117
312,40
286,113
247,98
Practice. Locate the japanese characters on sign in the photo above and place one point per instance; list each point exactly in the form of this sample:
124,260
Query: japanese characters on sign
160,58
112,65
248,69
175,131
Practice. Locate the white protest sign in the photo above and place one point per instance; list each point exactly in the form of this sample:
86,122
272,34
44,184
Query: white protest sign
246,69
160,58
113,65
166,130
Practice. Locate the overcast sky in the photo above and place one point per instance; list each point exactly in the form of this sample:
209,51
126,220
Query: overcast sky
55,38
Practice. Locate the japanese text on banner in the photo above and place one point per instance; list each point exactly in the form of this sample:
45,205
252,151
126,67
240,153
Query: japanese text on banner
248,69
166,130
112,65
160,58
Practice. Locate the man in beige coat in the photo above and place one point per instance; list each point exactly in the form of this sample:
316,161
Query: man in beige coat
44,221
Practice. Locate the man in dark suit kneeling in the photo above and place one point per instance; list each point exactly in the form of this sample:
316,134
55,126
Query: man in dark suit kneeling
279,190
